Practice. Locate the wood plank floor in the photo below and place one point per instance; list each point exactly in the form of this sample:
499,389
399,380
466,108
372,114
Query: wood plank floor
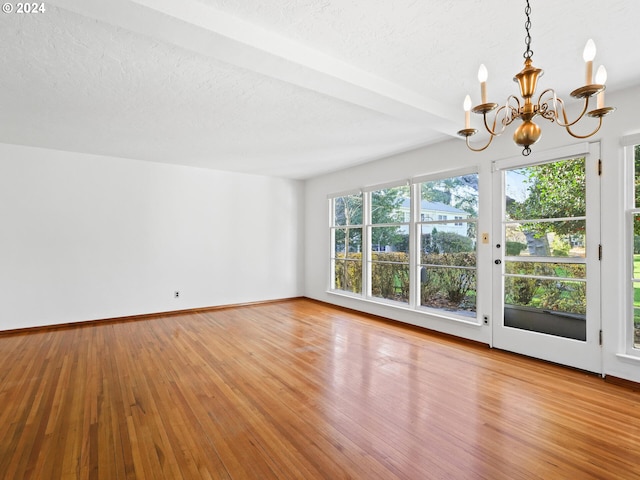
299,390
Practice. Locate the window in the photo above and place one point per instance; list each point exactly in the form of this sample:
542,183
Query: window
346,239
634,220
447,260
409,245
388,230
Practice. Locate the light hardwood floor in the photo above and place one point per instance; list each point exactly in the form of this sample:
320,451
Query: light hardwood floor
299,390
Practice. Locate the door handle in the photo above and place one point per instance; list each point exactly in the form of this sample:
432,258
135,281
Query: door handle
497,262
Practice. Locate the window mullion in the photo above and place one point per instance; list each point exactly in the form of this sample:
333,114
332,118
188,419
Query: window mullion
414,246
366,244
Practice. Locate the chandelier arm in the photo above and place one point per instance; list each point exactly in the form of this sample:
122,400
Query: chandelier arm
584,136
516,99
504,122
514,112
544,110
566,123
481,148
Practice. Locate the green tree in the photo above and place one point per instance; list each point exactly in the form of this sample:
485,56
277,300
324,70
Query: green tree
385,208
460,192
348,211
449,242
555,190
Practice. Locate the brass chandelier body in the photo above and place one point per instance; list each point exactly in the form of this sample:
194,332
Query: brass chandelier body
548,105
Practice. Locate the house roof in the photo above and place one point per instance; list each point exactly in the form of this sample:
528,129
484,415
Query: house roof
434,206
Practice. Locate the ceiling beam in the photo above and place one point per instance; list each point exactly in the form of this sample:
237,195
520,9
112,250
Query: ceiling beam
202,29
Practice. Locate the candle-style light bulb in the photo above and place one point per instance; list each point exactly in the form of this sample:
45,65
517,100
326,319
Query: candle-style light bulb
601,75
601,79
467,111
483,74
588,55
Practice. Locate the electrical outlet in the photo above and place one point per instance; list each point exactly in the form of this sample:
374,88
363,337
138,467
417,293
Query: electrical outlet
176,294
485,318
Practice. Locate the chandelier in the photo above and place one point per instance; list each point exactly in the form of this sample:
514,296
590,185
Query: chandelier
549,106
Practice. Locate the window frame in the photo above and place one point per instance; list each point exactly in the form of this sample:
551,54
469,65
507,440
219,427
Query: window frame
369,226
414,225
449,220
333,227
631,210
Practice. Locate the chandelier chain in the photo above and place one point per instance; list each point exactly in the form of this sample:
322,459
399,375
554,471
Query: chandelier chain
527,25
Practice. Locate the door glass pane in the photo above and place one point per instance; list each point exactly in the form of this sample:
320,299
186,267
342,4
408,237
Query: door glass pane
636,255
636,314
566,270
551,190
546,239
545,209
549,295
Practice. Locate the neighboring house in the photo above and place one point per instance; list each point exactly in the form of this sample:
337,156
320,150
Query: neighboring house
439,212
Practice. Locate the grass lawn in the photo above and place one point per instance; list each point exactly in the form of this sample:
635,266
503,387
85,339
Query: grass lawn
636,299
636,285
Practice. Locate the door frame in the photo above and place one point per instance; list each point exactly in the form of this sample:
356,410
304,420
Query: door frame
587,354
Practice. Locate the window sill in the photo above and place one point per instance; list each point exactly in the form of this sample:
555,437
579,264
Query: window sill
625,357
474,322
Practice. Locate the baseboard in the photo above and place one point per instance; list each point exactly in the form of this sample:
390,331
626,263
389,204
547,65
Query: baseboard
142,316
623,382
408,326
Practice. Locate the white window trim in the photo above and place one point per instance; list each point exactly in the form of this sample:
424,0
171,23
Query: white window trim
332,205
570,151
413,225
630,140
627,329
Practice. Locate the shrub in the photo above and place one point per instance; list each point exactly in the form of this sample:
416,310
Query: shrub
568,297
450,242
559,247
514,248
518,290
452,283
348,272
390,280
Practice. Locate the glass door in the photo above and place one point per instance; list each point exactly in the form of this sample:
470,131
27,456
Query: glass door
546,258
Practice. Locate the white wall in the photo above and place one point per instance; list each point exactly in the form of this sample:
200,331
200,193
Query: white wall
86,237
453,154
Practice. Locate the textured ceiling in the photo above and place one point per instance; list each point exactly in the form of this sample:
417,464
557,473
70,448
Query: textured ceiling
291,88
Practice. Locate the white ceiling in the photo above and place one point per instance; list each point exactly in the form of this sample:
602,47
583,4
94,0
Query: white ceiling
291,88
